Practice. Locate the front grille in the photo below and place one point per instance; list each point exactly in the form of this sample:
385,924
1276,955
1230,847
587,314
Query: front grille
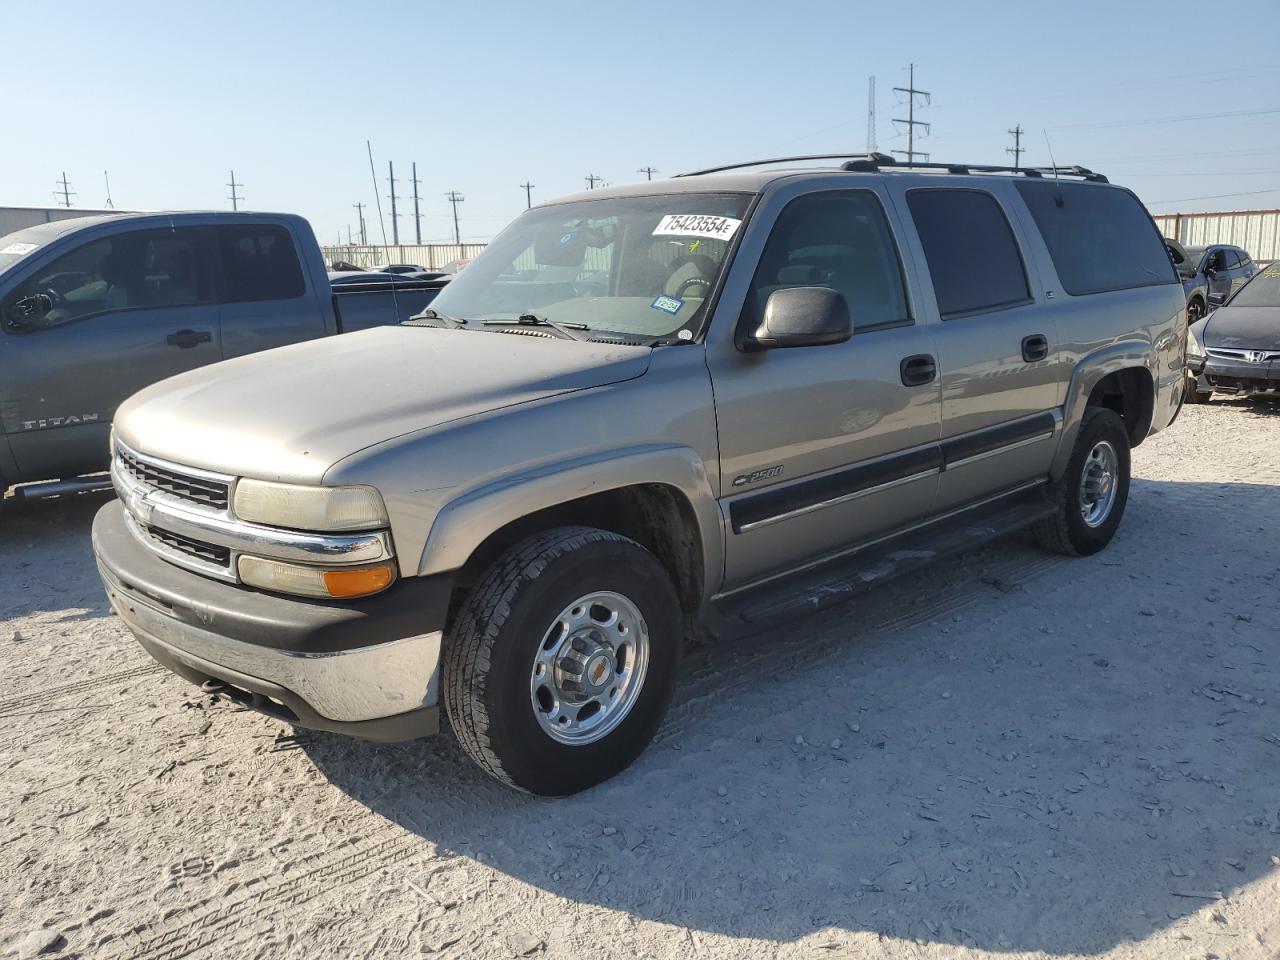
212,493
1250,356
208,552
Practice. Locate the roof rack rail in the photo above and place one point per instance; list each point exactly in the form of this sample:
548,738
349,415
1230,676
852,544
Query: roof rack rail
875,162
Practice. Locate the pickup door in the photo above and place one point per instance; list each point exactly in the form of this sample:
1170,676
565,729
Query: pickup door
87,329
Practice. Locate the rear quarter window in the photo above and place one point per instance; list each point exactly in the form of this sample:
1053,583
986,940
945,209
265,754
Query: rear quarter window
259,262
1099,238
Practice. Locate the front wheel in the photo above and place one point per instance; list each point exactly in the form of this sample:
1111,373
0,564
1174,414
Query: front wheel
562,660
1092,493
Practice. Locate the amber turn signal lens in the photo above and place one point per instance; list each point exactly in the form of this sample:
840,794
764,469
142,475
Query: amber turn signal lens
358,583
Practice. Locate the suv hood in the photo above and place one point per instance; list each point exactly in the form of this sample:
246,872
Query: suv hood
1243,328
291,413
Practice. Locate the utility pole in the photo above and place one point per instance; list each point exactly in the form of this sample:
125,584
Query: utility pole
1017,149
648,172
110,205
528,194
364,240
395,223
911,122
66,191
235,197
417,217
871,114
455,198
592,180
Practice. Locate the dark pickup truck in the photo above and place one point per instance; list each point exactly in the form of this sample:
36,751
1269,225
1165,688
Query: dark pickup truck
94,309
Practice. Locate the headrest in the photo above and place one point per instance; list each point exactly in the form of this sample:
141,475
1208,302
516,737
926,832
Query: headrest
799,274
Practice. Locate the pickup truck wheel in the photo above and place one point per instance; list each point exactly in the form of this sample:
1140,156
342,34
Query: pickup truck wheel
562,660
1092,493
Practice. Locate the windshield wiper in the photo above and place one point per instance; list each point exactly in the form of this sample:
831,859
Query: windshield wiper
430,314
566,330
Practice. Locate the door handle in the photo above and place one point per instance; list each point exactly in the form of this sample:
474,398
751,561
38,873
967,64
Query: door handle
186,339
1035,347
918,370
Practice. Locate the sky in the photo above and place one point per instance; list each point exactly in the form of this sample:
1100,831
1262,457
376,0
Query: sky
1179,101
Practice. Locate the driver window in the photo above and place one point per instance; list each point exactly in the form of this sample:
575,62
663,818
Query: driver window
154,268
839,240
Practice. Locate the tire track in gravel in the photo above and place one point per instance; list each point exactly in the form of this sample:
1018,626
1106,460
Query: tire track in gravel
218,926
52,694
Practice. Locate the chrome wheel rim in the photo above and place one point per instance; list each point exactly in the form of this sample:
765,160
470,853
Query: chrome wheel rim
589,668
1098,483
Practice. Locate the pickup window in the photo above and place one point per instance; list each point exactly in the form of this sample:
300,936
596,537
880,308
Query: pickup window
259,262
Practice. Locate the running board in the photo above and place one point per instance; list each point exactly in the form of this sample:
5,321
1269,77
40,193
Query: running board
870,564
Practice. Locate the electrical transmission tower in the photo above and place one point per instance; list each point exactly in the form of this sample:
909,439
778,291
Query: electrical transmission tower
235,197
528,194
911,122
395,222
364,240
592,180
107,180
871,114
66,192
1017,150
417,217
648,172
455,198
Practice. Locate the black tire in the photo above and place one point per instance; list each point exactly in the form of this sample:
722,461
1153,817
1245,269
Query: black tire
1195,310
499,630
1194,395
1066,530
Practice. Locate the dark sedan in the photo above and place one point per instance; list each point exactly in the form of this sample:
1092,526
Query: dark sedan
1236,349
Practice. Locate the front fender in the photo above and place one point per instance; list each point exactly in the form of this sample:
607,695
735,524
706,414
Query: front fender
464,523
1088,373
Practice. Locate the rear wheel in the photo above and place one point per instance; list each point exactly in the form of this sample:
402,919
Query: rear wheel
1195,310
1093,491
1194,395
562,660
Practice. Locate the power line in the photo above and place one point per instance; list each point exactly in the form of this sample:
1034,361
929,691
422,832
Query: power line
1217,196
417,217
648,172
1017,150
1184,118
395,222
592,180
235,197
911,122
66,191
455,198
364,239
528,194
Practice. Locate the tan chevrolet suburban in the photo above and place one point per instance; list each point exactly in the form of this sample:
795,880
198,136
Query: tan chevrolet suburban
722,398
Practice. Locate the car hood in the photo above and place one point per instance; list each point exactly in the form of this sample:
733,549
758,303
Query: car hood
291,413
1242,328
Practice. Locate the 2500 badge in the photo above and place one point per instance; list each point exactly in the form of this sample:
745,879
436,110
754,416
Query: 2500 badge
766,473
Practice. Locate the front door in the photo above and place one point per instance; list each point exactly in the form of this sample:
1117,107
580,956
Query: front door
824,446
1219,267
91,327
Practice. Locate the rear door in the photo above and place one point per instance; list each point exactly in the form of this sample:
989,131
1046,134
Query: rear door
823,446
1220,263
265,299
997,347
111,316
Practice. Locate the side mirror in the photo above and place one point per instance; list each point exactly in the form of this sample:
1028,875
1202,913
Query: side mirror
801,317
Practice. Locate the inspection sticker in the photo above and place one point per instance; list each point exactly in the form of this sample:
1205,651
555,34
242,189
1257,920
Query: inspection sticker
19,248
667,304
696,225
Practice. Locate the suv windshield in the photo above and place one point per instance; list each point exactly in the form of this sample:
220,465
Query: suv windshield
636,266
1262,291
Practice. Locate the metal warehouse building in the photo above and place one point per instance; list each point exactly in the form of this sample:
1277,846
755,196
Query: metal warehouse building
18,218
1257,231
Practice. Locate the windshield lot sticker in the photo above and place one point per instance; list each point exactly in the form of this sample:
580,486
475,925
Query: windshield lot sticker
567,238
696,225
667,304
19,248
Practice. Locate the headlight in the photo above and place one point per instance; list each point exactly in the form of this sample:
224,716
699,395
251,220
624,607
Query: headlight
1193,344
309,508
306,581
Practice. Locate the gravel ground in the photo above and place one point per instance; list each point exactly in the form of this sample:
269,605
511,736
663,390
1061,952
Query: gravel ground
1008,754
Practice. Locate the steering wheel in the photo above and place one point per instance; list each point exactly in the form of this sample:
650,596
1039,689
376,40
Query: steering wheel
693,281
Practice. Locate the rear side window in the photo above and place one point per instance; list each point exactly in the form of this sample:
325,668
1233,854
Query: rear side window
973,256
259,263
1099,238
